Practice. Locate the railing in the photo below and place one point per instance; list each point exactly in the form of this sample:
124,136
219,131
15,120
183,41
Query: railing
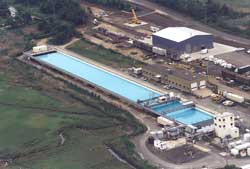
172,99
178,108
153,98
155,101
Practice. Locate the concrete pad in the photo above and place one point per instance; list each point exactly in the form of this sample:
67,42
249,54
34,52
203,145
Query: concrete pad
203,93
217,50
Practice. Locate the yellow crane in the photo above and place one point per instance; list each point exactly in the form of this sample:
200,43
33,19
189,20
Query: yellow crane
135,19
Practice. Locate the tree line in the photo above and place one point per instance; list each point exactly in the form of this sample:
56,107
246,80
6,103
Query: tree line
122,5
207,11
57,18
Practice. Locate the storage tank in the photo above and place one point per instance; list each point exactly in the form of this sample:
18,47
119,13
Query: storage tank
234,152
248,152
159,134
232,145
234,97
224,65
229,66
210,57
246,137
216,61
242,146
243,153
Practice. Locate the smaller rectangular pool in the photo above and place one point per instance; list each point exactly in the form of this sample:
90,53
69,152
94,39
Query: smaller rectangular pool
190,116
164,107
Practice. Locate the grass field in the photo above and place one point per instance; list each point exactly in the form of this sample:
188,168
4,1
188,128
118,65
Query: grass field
34,111
32,136
102,55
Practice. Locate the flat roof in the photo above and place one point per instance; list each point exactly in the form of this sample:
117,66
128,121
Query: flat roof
179,34
177,72
225,114
237,58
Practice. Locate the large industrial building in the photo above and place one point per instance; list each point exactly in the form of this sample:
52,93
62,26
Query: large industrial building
176,41
181,79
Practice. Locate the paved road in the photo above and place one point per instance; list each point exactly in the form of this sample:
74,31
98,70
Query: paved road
213,160
189,21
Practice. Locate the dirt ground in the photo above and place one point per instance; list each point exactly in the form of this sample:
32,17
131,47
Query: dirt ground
180,155
131,51
161,20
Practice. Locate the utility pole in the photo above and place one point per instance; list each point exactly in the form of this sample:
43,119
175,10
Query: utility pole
206,10
54,9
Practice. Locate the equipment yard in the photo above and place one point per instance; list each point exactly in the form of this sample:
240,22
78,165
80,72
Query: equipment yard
116,30
180,155
143,87
154,20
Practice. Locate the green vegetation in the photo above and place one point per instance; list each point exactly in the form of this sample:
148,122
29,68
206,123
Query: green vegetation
239,5
68,10
122,5
126,150
55,19
60,32
13,42
231,167
102,55
34,111
214,13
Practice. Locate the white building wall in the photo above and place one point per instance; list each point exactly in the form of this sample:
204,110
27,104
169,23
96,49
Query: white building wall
224,125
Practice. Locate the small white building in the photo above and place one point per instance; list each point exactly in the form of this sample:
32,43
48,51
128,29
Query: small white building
224,125
162,145
42,48
170,144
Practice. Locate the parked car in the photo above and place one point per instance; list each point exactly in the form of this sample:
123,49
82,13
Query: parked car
228,103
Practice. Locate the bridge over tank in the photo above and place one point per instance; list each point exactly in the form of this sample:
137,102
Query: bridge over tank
162,99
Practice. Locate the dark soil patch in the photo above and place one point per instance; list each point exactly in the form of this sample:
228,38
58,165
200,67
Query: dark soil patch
180,155
161,20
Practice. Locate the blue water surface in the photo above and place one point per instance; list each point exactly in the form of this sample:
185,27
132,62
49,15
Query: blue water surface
164,107
189,116
122,87
98,76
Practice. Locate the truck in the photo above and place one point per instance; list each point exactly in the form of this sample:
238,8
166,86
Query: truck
217,98
233,97
228,103
241,150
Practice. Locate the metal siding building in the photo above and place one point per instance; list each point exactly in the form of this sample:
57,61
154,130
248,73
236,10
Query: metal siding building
180,40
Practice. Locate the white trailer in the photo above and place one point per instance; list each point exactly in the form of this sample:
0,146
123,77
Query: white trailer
41,48
233,97
154,28
159,51
164,121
